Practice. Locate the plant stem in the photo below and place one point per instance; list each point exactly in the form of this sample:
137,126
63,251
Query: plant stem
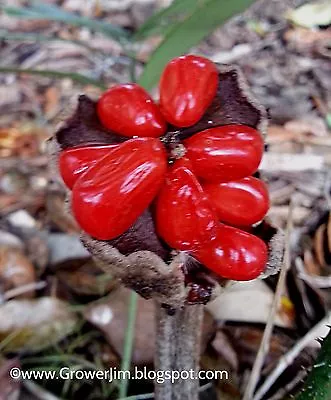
178,349
128,342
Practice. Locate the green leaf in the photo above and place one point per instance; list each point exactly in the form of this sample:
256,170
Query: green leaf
166,17
188,33
318,383
84,80
54,13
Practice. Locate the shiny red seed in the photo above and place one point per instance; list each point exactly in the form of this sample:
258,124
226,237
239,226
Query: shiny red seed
187,87
112,194
242,202
184,216
225,153
130,111
76,161
234,254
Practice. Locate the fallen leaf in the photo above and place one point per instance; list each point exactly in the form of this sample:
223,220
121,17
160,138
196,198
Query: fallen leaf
312,14
23,140
52,98
10,240
32,325
21,219
7,200
16,270
279,134
87,279
303,39
257,298
319,244
224,348
64,248
291,162
57,208
315,126
111,318
312,266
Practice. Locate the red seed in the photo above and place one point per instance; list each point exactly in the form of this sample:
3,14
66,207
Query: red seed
184,216
225,153
242,203
111,195
187,87
76,161
130,111
234,254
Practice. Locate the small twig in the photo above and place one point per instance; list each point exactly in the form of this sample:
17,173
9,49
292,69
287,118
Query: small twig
23,289
264,346
128,342
288,358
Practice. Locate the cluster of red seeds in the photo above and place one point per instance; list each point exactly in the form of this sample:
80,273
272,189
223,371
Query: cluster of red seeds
209,186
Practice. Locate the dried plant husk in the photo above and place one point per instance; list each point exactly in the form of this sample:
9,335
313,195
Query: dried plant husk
138,257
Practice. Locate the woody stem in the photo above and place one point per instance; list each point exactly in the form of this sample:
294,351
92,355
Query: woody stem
178,349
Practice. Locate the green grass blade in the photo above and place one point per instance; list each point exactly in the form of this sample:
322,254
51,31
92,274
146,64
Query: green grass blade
166,17
188,33
82,79
318,384
32,37
54,13
128,342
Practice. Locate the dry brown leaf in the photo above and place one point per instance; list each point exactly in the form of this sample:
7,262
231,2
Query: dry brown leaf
256,296
305,39
16,270
33,325
24,140
10,95
279,134
110,317
291,162
312,267
52,98
314,126
223,347
7,200
319,244
87,279
57,209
